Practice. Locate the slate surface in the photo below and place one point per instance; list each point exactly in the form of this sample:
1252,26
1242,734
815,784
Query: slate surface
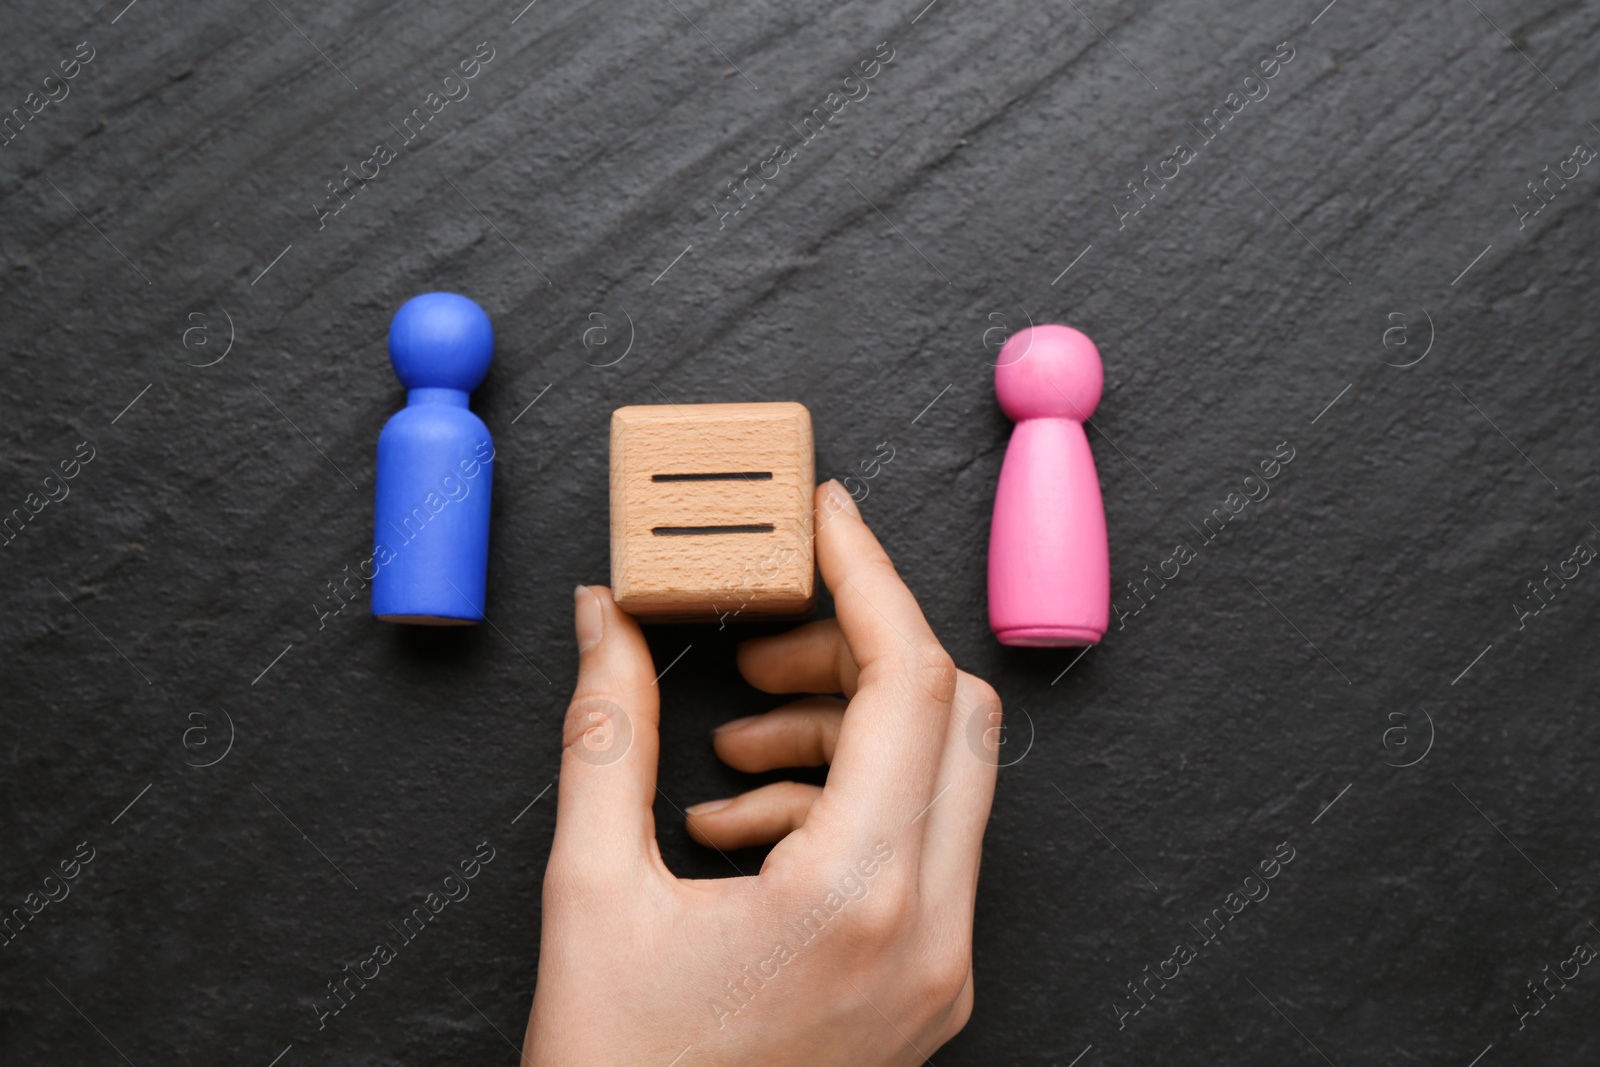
1352,266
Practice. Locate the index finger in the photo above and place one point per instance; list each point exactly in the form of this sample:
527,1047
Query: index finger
891,740
880,619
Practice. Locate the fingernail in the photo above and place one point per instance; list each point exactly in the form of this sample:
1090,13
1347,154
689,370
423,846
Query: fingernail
841,499
587,618
735,724
709,806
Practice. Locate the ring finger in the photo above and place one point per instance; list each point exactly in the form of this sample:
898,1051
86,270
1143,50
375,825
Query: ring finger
799,734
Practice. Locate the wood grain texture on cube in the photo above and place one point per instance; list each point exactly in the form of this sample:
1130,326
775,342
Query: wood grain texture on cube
711,511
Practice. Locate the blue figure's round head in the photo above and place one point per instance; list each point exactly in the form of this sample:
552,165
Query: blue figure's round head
440,341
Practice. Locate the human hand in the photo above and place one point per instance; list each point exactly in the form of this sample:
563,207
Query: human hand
853,945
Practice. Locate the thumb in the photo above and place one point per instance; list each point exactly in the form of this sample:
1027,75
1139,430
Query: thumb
610,741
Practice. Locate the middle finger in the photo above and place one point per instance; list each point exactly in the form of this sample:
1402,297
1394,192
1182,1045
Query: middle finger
808,659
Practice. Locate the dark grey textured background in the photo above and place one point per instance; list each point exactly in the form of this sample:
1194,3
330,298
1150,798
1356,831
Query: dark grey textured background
874,275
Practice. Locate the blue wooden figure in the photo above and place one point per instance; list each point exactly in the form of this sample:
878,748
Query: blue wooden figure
435,462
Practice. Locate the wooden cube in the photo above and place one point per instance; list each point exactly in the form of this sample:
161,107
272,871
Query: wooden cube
711,511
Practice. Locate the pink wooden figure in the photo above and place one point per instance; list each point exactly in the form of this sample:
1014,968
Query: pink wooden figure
1049,567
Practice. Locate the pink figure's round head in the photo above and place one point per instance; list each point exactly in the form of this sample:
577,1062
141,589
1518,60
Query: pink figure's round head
1048,372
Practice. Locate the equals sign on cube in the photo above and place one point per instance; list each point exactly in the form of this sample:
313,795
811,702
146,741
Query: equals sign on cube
711,511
